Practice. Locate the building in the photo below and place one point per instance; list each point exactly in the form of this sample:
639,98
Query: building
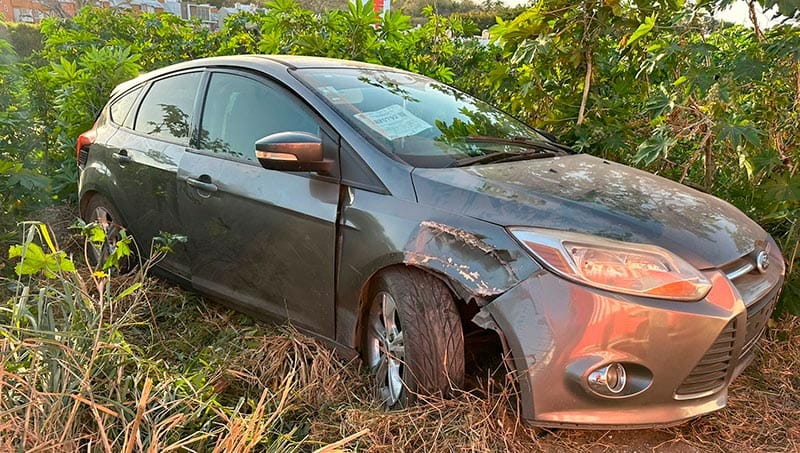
226,11
143,6
33,11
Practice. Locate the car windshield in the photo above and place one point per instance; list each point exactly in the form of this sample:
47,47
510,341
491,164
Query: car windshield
424,122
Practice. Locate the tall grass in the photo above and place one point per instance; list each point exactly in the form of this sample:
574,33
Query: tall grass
124,363
70,380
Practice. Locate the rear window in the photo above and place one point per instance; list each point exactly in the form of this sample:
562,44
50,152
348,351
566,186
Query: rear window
120,109
166,111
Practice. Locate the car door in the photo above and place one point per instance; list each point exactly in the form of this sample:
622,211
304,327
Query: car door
146,153
262,239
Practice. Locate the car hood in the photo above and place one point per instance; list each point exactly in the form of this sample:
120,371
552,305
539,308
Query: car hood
585,194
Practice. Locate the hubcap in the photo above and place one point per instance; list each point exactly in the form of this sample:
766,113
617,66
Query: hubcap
385,351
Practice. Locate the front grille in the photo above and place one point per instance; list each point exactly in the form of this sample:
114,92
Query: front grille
759,293
758,313
83,157
759,296
709,374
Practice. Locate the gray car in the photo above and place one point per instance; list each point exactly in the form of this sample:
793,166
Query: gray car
407,222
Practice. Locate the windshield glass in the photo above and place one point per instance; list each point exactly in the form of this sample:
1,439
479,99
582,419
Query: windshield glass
424,122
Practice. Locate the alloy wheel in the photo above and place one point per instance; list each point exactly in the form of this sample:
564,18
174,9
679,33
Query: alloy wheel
386,348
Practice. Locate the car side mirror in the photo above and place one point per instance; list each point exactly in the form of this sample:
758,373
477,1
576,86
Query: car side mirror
292,151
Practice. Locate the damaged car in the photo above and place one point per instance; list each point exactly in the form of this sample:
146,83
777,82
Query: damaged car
405,221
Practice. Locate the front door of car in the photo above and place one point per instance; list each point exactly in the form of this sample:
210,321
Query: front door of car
262,239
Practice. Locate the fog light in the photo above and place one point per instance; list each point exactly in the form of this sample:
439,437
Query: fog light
608,380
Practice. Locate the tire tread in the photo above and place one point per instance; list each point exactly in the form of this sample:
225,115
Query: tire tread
434,339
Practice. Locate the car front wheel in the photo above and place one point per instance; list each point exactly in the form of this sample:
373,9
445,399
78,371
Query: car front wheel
413,342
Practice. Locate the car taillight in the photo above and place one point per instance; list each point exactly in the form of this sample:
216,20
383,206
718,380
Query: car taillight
82,148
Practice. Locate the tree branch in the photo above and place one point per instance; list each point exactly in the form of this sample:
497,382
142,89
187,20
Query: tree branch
797,92
586,85
751,6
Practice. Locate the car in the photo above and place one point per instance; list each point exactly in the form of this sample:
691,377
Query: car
403,220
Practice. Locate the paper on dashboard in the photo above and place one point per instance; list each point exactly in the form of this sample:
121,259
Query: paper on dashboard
393,122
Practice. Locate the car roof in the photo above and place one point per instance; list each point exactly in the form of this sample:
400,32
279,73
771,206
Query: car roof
252,61
302,62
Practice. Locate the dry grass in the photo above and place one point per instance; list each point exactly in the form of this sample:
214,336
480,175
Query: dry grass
312,398
162,370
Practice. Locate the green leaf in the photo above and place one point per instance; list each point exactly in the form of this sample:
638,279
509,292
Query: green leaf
784,187
121,251
660,104
790,298
746,163
740,133
28,180
680,81
33,258
655,147
64,263
643,29
15,251
128,291
788,8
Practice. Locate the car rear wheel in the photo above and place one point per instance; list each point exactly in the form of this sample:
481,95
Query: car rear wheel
101,211
413,342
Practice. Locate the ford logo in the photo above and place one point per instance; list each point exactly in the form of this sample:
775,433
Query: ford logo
762,261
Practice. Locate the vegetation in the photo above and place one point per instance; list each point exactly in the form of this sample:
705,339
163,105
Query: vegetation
97,361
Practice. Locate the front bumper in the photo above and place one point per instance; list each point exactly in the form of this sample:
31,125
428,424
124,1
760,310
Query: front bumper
681,356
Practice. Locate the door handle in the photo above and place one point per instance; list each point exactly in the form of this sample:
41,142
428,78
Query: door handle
122,157
206,186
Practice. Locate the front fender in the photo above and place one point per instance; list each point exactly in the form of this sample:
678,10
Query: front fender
477,259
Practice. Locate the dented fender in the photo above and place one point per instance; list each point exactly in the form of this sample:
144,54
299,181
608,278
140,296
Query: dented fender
478,260
480,269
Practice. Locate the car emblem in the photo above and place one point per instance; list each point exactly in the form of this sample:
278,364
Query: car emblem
762,261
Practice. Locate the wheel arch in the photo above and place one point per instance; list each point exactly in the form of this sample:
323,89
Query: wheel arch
84,200
461,296
476,267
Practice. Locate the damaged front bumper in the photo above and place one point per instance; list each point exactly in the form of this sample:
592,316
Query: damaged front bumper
678,357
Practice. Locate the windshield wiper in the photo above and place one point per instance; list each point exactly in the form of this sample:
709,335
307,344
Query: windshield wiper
536,150
521,141
501,157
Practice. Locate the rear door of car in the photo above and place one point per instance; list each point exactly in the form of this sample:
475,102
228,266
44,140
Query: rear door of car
116,138
262,239
146,153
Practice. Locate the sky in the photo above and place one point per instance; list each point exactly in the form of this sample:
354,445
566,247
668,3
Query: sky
738,14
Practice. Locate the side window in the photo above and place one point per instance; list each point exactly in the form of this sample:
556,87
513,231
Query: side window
166,111
120,109
238,111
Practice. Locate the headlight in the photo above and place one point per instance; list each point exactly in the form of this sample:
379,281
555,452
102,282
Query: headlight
638,269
